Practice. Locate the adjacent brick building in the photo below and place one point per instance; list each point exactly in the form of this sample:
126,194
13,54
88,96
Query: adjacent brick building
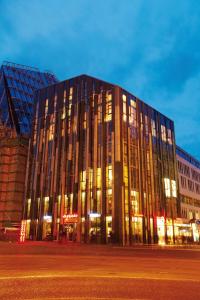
13,157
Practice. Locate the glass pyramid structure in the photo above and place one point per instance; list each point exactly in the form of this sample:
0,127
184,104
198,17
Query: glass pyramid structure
17,86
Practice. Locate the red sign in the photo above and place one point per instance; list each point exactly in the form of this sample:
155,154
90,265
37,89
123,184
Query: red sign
70,218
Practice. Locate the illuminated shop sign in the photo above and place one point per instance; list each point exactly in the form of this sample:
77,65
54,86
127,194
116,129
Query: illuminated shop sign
94,215
70,218
23,231
47,218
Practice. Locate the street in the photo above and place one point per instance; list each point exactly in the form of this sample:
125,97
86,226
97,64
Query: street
55,271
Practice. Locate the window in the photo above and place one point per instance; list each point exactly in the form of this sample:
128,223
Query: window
46,205
163,133
46,107
132,113
109,176
85,120
167,187
173,185
124,108
63,114
108,115
83,180
99,114
51,132
70,93
99,178
169,136
28,208
153,128
52,127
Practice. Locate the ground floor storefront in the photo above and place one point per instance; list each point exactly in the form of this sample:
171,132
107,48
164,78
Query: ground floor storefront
159,230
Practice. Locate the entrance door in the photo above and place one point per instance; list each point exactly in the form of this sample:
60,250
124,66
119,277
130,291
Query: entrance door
71,232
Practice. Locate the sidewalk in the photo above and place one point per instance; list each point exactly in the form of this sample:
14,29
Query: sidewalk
66,248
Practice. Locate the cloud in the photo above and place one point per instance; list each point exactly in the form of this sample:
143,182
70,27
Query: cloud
151,48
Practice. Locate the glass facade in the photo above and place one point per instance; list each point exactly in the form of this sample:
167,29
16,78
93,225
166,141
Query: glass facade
102,167
17,86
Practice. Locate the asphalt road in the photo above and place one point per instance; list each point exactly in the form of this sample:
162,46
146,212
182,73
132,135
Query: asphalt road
51,271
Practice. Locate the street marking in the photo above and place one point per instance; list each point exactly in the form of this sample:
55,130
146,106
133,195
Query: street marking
87,298
98,276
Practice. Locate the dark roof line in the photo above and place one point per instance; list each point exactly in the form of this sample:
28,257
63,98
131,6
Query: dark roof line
15,65
190,159
113,85
27,68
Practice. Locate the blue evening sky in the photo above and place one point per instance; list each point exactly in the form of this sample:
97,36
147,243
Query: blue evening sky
149,47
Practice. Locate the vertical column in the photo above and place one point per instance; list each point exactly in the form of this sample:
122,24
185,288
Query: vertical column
118,201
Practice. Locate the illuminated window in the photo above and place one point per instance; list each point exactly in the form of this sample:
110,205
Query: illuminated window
132,113
124,108
141,121
38,204
108,116
70,93
70,109
46,107
133,193
65,96
125,168
108,97
108,113
65,203
98,177
99,114
70,101
83,180
91,178
63,114
109,176
51,132
109,191
58,205
169,136
153,128
98,195
167,187
84,120
135,201
133,103
46,205
71,196
173,185
163,133
28,207
83,202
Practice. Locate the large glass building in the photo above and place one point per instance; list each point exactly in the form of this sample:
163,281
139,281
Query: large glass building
102,166
17,86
